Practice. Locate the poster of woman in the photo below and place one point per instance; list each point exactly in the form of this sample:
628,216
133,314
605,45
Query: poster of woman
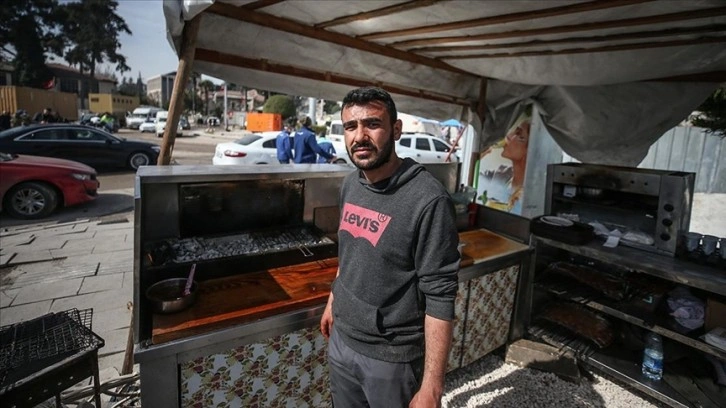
502,167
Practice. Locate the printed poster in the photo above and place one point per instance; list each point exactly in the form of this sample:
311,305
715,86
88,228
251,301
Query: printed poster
502,166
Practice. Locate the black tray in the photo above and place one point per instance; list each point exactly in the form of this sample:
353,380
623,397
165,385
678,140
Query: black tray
576,234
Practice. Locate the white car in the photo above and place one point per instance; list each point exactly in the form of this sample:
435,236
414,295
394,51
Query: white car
253,148
424,148
148,126
259,148
160,124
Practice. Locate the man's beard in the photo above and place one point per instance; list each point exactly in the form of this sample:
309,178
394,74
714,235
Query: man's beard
381,156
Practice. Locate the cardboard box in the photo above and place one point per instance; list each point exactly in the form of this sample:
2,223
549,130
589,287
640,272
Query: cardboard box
715,313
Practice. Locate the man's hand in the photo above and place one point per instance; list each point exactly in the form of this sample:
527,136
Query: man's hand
326,322
438,334
333,159
426,398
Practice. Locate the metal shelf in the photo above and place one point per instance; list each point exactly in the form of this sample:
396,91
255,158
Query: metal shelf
675,270
688,341
618,366
629,372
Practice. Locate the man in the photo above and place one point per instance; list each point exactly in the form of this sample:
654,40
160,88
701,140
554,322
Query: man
282,143
5,120
306,147
326,145
47,116
108,122
389,315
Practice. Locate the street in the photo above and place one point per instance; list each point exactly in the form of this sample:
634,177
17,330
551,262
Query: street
117,186
195,147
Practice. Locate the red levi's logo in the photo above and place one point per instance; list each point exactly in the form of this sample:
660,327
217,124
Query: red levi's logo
364,223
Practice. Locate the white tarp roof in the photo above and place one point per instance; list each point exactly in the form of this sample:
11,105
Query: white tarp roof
610,75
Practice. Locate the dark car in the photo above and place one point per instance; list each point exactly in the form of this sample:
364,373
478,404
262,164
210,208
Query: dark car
92,146
184,122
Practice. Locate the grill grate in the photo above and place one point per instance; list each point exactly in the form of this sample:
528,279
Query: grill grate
45,337
259,242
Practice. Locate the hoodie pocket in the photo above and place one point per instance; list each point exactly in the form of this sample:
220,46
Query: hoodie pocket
350,311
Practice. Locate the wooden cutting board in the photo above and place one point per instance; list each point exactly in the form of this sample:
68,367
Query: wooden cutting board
247,297
482,245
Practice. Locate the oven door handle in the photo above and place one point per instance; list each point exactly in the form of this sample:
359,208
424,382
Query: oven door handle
305,251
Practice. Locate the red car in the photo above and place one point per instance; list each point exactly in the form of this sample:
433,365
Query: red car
33,186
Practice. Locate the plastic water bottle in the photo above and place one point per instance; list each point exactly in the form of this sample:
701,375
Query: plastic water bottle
653,357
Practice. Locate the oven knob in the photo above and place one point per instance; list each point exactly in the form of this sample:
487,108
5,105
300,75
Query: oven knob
668,207
665,237
667,222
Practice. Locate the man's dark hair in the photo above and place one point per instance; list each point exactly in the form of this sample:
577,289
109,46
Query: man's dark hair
365,95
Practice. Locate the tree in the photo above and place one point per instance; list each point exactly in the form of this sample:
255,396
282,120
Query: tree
282,104
192,101
128,87
93,28
713,113
207,86
194,78
331,107
29,30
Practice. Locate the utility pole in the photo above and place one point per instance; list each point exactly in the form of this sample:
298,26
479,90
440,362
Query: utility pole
311,110
226,116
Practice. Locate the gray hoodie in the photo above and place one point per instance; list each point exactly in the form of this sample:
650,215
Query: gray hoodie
398,261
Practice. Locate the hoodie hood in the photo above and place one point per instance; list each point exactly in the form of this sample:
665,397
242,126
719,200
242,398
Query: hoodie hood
405,172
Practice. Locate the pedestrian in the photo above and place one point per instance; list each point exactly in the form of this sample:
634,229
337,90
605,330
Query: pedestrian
327,146
108,122
305,147
48,116
283,145
5,120
389,316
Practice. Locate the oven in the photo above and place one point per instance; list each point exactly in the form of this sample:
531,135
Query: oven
654,205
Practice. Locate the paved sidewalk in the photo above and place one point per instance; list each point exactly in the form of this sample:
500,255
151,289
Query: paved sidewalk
80,263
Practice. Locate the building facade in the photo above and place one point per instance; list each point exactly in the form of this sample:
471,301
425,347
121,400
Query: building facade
159,88
118,105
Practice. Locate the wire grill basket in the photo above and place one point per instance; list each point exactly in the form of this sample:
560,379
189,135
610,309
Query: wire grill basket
43,338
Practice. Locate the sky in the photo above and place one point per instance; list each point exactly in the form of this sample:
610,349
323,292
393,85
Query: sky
147,49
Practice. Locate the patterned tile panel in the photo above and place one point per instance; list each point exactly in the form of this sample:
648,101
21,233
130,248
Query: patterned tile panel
286,371
458,338
491,302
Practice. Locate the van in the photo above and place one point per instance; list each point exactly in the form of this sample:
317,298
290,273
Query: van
140,115
335,131
161,118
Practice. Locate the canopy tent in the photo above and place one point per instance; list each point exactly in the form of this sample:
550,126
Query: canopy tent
451,123
609,76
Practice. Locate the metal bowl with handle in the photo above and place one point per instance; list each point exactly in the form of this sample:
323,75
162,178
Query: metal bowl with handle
167,296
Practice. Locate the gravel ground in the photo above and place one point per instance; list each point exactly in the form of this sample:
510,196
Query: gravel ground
491,382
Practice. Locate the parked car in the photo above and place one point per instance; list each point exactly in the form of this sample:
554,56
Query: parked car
148,126
424,148
141,115
184,122
160,122
259,148
253,148
33,187
212,121
94,147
